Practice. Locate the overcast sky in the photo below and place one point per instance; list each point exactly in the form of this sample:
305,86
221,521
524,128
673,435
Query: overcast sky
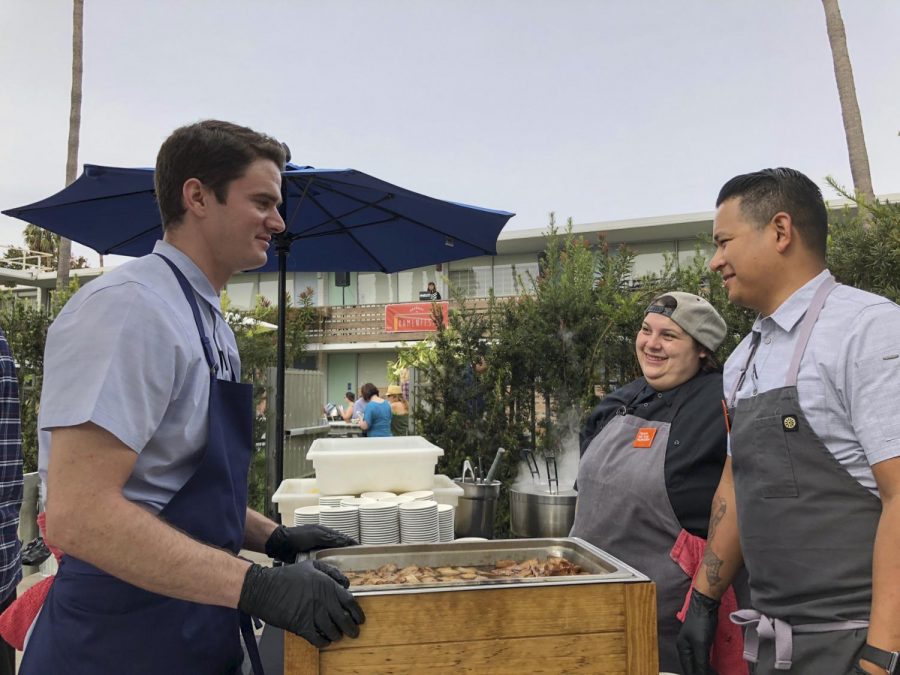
598,110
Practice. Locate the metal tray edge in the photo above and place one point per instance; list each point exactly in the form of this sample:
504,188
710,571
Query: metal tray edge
623,573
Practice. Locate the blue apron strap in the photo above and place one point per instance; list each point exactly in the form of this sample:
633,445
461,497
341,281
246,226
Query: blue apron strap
192,301
250,643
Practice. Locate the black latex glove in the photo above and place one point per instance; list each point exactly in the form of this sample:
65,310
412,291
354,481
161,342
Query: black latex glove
697,634
308,598
286,542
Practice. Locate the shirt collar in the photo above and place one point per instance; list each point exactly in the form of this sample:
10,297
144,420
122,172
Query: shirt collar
792,310
648,392
195,276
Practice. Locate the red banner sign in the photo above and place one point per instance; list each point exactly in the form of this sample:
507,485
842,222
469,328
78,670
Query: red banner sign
412,317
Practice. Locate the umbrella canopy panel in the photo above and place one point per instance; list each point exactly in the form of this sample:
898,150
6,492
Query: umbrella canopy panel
347,220
109,209
337,220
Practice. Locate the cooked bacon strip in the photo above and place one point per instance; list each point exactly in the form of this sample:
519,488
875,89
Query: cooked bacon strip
391,574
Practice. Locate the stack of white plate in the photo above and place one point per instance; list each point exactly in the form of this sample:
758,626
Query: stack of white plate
445,522
341,518
307,515
377,495
420,495
332,500
397,499
379,523
355,501
419,522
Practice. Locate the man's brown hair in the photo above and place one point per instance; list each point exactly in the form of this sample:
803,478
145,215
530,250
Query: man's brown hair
213,152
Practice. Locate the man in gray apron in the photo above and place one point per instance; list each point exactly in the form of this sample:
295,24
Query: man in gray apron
809,499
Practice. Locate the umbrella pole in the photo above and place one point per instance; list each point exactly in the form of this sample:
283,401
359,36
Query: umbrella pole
282,246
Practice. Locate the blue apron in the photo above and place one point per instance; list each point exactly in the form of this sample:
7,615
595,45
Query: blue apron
92,622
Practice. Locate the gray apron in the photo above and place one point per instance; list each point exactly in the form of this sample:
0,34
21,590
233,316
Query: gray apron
807,530
623,508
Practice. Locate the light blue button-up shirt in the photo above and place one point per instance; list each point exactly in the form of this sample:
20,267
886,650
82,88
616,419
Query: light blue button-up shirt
849,379
125,354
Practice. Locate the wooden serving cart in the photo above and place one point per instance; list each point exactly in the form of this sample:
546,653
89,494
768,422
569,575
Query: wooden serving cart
606,624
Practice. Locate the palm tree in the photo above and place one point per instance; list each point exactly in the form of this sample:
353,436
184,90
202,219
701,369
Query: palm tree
42,241
65,245
843,74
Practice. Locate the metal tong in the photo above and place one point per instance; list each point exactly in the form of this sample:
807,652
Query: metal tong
467,467
528,453
552,474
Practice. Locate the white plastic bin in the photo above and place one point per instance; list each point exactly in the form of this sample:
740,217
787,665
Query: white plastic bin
296,492
355,465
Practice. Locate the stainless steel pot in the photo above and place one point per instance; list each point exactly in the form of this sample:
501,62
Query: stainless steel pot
541,514
476,508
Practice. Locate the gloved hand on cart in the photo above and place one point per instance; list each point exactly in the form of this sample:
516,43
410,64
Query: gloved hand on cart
286,542
307,598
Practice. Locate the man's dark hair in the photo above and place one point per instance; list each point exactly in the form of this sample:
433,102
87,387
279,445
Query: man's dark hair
765,193
213,152
369,390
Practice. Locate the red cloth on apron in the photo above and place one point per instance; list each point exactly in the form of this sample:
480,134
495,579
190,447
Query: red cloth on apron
18,617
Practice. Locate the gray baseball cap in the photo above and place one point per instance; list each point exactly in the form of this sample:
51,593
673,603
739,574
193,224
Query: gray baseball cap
695,315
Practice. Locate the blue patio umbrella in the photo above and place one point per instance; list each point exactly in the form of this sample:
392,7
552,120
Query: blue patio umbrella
340,220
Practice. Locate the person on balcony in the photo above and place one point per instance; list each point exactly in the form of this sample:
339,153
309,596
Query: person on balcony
652,454
377,418
433,292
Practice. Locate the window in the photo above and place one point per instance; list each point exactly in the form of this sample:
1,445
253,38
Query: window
374,288
473,283
505,278
241,293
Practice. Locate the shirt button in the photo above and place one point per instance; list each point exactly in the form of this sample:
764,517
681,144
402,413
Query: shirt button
768,340
659,396
646,405
676,442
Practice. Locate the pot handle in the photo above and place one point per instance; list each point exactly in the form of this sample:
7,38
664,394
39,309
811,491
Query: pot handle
532,463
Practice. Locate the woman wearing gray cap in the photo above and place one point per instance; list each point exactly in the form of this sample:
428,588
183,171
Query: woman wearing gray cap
652,455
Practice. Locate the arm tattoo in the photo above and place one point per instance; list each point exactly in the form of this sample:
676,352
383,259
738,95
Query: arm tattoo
713,564
718,512
711,561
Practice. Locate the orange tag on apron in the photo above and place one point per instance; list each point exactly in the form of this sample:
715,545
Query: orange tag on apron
644,437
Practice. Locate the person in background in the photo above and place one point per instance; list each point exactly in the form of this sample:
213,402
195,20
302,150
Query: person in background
399,411
10,492
399,406
146,440
377,417
359,407
432,291
809,500
652,455
347,408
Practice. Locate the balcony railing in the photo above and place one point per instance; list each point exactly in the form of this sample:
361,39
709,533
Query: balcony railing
365,323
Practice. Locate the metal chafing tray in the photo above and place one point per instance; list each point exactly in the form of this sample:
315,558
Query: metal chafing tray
601,566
